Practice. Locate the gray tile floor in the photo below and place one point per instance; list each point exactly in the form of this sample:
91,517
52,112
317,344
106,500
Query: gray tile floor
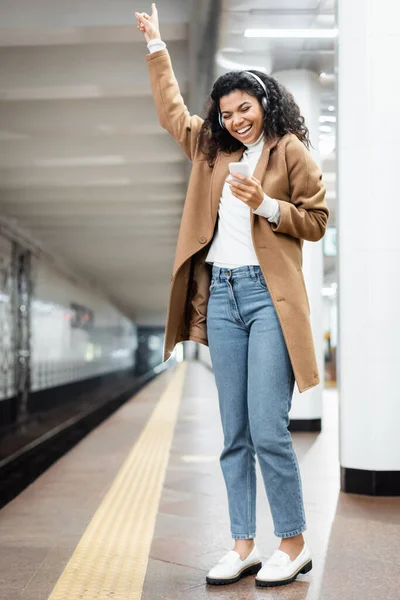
349,535
355,540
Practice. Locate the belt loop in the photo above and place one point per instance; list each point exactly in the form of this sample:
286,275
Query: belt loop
252,272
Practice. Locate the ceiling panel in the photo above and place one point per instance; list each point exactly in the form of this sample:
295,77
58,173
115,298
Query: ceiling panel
86,172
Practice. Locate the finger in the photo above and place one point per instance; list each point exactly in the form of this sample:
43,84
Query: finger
140,18
234,182
242,196
241,186
143,17
145,24
241,177
153,9
238,175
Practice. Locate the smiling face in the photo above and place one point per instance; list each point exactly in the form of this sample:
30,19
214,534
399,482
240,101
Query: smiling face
242,115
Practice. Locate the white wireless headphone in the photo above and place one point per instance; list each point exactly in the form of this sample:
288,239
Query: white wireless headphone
264,100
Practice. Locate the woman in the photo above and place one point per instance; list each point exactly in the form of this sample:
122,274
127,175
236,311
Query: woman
237,285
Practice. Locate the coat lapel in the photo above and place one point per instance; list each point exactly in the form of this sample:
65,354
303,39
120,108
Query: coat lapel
261,168
220,173
262,164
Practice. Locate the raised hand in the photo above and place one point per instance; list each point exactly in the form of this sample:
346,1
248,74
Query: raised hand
148,24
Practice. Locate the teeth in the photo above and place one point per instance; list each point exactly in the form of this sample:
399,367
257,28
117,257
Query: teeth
244,130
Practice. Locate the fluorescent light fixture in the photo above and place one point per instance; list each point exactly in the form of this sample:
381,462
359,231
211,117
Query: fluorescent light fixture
291,33
328,291
324,75
81,161
327,119
115,181
165,197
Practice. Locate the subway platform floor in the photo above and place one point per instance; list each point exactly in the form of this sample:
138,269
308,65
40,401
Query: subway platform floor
138,510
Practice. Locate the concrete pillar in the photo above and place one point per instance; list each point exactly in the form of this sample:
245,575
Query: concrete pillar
369,246
306,410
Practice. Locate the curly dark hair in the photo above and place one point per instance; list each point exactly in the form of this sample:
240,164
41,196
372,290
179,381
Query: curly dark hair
282,115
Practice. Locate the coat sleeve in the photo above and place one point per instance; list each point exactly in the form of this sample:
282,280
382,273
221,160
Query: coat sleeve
171,109
306,215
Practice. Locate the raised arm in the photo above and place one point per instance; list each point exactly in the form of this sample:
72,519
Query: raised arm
307,214
171,109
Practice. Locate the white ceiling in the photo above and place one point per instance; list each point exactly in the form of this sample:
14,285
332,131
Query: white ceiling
86,172
314,54
85,168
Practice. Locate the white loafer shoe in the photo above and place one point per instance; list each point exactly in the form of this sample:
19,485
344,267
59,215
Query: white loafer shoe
280,570
231,568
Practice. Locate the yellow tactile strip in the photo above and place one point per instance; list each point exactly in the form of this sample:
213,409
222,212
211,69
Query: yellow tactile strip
110,560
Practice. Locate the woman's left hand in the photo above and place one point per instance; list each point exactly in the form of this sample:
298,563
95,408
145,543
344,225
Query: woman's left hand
250,191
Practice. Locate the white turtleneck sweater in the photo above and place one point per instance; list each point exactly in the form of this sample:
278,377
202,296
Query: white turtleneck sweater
232,244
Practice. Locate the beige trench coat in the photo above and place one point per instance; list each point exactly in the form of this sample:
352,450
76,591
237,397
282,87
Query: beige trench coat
287,173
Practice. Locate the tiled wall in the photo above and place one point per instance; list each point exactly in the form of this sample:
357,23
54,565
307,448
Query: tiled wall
75,332
65,350
7,375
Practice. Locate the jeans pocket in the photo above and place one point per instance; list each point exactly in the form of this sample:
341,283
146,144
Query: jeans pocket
261,281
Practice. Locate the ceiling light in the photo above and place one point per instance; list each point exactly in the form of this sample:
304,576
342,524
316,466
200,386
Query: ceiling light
81,161
325,128
166,197
331,108
328,291
232,50
326,76
327,119
291,33
115,181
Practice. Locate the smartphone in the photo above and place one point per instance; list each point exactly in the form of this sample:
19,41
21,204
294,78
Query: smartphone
243,168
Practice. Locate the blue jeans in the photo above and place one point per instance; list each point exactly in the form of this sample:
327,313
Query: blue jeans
255,382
